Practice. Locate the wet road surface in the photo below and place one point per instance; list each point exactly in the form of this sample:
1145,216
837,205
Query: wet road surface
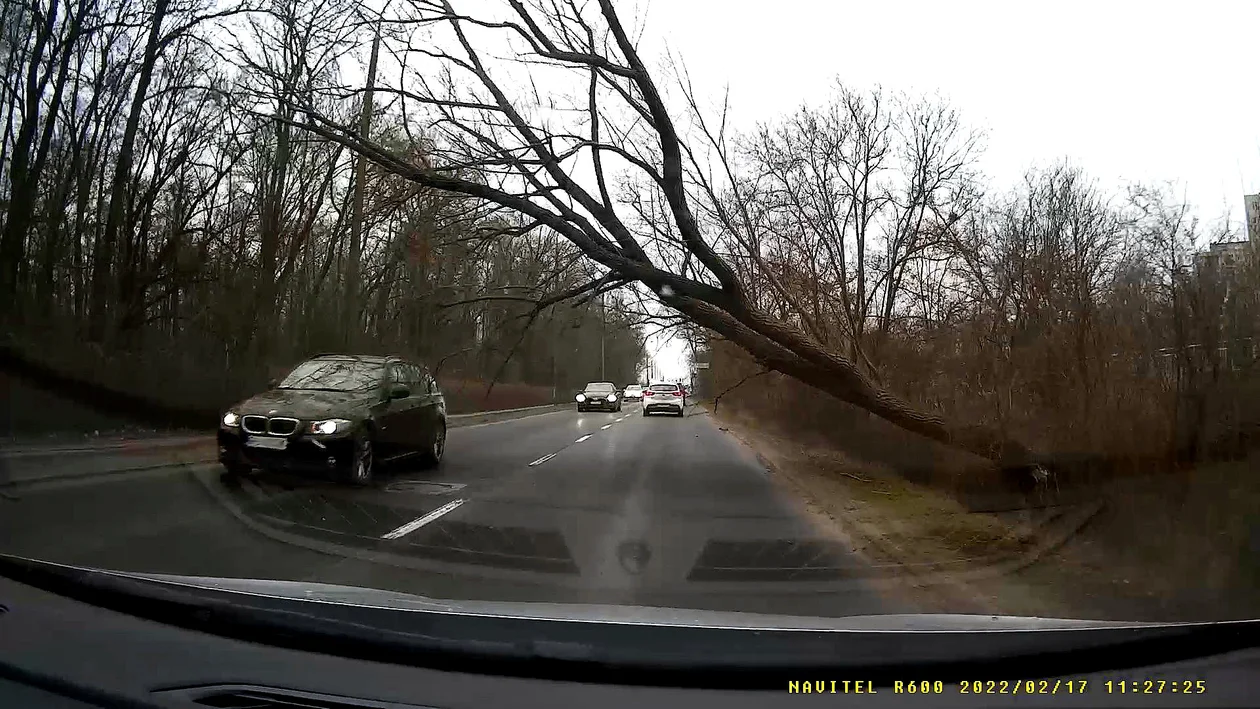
561,507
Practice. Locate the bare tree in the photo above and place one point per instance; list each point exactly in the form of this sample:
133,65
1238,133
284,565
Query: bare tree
626,122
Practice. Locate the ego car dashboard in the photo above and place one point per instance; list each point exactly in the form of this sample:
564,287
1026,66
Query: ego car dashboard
75,637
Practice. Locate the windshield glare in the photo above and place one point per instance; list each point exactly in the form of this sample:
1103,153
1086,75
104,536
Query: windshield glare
597,388
333,375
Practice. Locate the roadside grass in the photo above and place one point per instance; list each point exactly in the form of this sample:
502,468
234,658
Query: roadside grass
915,523
1168,547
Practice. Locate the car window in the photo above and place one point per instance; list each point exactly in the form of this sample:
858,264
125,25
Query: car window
333,375
664,387
600,386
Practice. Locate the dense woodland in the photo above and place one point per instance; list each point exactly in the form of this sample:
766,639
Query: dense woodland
161,239
1086,321
197,193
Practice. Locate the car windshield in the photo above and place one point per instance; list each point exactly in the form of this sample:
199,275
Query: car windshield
334,375
930,310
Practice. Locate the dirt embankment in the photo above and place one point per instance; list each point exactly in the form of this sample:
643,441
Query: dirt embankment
1171,546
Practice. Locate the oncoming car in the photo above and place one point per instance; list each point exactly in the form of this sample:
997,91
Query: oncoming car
599,396
338,414
633,392
663,397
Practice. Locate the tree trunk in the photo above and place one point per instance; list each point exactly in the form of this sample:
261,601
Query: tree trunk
353,309
103,288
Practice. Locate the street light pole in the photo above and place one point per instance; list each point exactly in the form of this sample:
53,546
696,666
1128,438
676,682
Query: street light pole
603,327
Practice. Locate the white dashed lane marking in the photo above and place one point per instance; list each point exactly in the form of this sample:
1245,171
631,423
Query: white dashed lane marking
419,522
549,456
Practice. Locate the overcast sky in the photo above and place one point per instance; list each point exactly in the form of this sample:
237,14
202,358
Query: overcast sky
1130,91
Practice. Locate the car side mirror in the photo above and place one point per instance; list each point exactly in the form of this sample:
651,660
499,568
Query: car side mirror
273,383
399,391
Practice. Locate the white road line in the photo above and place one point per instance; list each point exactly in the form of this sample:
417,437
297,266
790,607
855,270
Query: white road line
543,459
419,522
583,438
607,426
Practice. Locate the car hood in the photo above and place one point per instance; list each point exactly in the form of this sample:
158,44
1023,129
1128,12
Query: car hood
632,615
308,404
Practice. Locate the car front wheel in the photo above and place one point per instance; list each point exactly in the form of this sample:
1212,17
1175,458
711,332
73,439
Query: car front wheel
363,462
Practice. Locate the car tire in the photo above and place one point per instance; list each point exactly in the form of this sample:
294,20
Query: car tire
432,456
679,414
363,459
581,410
645,413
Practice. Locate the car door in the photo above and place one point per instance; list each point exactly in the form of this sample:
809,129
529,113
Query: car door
394,427
428,404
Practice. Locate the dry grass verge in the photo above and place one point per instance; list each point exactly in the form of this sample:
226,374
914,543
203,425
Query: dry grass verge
1163,549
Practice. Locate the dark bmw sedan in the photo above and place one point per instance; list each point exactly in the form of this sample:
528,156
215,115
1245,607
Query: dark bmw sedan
338,414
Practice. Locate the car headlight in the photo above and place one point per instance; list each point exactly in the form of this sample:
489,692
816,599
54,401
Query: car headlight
581,397
231,419
612,397
328,426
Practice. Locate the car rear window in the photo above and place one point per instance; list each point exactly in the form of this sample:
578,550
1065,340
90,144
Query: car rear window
664,387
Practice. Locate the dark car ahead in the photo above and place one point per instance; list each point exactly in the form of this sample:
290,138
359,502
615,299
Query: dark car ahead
599,396
339,414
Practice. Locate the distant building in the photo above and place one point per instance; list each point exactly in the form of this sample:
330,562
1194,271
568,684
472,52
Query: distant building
1224,258
1227,257
1251,210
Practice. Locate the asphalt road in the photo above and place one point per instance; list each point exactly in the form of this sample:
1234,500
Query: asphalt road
562,507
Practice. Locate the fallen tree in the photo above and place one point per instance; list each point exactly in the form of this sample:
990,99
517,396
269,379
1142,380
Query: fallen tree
675,228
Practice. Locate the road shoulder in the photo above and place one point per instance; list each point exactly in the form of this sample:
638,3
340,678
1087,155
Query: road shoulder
940,556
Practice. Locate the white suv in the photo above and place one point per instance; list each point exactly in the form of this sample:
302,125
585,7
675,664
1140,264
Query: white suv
663,397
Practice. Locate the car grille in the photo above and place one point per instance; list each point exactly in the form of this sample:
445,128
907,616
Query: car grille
282,426
277,426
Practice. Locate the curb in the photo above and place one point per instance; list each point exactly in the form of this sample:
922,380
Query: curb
160,446
175,466
150,444
503,411
127,445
